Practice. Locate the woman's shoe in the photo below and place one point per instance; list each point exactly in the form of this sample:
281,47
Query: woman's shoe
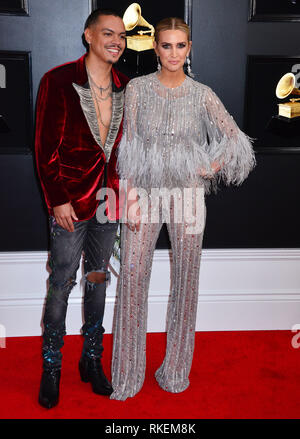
91,371
49,388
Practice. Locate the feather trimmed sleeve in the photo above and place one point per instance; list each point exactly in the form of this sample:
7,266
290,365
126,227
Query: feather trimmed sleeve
227,146
174,137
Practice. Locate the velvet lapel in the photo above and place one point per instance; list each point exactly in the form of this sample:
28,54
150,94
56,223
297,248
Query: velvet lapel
87,104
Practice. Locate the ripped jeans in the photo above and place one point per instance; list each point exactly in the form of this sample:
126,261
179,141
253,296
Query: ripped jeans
96,240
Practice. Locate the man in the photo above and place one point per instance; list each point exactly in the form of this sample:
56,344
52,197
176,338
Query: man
78,128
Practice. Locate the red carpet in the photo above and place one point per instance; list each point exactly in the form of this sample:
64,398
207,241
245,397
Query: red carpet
235,375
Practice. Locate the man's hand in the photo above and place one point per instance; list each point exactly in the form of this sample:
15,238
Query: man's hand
64,216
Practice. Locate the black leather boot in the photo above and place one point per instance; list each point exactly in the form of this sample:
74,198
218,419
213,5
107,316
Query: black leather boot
91,371
49,389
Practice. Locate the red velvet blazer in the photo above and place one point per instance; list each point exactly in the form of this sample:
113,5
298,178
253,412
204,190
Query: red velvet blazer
70,162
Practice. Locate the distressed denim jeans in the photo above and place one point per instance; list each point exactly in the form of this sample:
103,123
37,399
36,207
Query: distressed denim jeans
96,240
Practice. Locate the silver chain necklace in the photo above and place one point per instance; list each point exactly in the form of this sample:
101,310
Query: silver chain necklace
98,101
100,89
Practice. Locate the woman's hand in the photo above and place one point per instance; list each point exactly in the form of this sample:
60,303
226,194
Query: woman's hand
215,167
133,211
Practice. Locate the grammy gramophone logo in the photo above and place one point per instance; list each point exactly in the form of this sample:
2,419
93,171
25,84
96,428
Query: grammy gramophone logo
287,87
133,18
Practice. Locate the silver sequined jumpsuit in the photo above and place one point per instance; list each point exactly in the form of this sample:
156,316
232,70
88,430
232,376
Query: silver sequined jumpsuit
171,138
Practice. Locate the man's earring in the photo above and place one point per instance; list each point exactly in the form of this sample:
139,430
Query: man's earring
189,70
158,64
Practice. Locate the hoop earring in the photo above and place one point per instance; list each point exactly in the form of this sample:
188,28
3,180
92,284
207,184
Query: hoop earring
158,64
189,70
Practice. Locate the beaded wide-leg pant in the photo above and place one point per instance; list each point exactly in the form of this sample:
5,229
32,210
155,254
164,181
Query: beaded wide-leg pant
130,323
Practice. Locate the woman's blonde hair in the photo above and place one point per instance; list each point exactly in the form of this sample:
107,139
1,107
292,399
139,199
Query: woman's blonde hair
172,23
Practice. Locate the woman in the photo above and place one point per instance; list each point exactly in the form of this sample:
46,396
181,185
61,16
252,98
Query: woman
177,135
